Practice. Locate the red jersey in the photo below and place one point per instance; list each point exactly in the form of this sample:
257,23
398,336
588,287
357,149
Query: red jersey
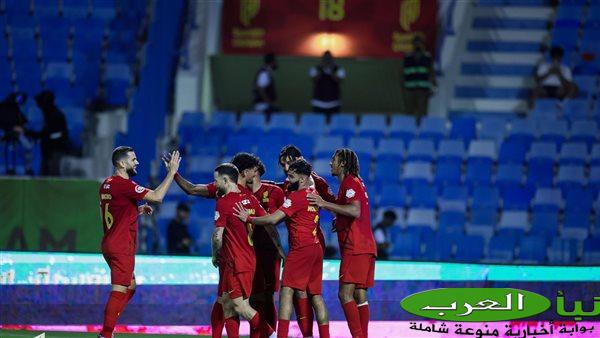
303,219
321,186
212,190
354,234
238,245
270,198
119,209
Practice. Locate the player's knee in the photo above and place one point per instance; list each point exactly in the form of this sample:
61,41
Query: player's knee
345,296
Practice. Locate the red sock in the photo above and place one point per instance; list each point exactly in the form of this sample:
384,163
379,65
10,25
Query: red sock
232,327
216,320
114,306
283,328
353,319
304,316
255,325
324,330
363,312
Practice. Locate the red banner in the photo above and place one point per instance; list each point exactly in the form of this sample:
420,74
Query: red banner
349,28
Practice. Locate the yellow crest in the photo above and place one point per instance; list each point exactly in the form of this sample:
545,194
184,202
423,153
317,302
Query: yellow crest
410,10
248,10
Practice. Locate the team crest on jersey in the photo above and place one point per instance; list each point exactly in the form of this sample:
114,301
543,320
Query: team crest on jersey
350,193
245,202
287,203
139,189
217,215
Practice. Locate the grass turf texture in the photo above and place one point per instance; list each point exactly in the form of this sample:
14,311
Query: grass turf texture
58,334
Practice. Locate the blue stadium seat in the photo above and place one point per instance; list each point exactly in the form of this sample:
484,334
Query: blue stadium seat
579,200
532,250
373,125
269,145
573,153
482,222
406,246
485,197
202,164
547,199
509,175
501,249
312,124
421,150
118,71
544,223
421,217
454,198
478,173
591,251
464,128
542,152
512,151
390,149
522,130
117,91
282,123
482,151
222,120
570,176
252,122
540,174
393,195
239,142
595,156
451,151
563,251
416,173
439,247
403,127
55,48
492,129
576,225
471,252
191,120
452,221
343,125
548,108
387,171
433,128
59,69
553,131
423,196
565,37
448,173
584,131
514,220
362,146
327,145
577,108
18,7
517,198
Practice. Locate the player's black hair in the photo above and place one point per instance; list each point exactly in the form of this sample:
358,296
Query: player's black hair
244,161
183,207
348,156
289,151
269,58
119,154
229,170
261,168
557,52
301,167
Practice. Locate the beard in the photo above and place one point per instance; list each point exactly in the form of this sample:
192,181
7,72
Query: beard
293,186
221,191
131,172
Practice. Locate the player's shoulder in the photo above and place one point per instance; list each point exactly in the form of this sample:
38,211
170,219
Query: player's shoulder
273,187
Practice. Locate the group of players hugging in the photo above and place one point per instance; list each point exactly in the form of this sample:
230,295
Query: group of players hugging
245,243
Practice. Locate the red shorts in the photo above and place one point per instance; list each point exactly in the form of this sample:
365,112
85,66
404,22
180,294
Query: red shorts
303,269
266,276
236,284
358,269
121,267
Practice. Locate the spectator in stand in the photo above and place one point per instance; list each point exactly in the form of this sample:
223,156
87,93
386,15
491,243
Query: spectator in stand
554,79
419,79
327,77
13,123
382,236
54,135
264,91
179,241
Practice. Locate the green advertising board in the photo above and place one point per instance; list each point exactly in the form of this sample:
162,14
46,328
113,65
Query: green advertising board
49,215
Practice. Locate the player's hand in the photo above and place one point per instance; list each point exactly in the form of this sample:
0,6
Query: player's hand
173,164
240,212
145,210
315,200
166,158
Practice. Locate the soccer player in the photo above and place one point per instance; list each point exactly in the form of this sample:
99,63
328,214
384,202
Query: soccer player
303,269
267,270
119,196
357,245
233,250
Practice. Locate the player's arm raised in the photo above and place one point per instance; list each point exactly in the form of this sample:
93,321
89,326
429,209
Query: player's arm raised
187,186
351,210
159,193
270,219
216,244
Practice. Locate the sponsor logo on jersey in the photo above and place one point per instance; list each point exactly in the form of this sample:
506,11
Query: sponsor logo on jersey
139,189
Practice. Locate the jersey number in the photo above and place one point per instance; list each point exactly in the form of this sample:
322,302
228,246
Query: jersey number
250,233
108,217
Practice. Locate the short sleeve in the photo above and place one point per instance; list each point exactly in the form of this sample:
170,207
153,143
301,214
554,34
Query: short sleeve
291,205
351,191
212,190
220,214
134,191
277,197
341,73
263,79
